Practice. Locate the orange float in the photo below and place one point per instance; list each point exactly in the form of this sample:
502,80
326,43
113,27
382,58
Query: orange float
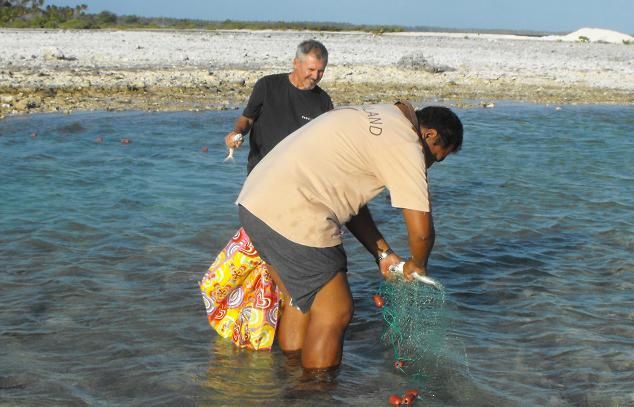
394,400
378,301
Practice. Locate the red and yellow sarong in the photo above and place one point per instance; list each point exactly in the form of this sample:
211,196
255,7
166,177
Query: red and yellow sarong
241,299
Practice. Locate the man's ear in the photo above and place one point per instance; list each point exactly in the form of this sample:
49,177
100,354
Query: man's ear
431,134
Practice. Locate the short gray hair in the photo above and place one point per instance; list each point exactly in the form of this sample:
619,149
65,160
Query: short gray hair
311,46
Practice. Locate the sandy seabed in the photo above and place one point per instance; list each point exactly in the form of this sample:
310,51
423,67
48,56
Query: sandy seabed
61,70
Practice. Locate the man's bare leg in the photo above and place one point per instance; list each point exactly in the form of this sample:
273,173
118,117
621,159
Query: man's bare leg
292,324
318,333
329,317
292,329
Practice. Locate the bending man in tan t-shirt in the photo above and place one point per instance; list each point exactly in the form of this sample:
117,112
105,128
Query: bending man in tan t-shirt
295,202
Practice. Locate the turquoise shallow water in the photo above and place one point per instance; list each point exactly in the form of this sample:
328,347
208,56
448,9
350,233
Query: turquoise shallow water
102,245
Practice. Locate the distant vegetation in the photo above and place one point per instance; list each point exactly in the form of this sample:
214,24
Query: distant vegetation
33,14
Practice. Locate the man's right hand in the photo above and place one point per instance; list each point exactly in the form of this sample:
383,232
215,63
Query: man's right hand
231,141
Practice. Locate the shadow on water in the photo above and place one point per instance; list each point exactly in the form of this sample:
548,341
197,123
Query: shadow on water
72,128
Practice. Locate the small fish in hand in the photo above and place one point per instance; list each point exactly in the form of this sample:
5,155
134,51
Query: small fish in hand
237,139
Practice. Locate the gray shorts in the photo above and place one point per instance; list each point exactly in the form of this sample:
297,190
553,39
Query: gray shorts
303,269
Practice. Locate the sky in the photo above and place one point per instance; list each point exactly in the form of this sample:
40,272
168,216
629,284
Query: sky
557,16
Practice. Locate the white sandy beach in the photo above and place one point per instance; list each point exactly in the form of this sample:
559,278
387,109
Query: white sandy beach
222,65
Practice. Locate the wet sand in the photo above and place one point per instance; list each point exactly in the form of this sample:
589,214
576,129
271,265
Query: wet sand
62,70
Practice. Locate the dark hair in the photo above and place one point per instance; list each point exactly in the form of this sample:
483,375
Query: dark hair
312,46
446,123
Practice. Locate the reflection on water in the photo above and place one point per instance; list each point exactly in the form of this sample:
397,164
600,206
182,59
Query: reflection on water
102,245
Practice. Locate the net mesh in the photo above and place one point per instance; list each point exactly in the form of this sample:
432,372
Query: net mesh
415,326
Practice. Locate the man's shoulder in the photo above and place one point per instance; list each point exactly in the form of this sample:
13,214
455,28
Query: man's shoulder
274,78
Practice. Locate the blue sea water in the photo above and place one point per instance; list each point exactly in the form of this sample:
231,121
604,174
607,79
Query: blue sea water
102,245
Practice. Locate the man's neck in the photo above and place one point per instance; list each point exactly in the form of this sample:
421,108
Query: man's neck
293,80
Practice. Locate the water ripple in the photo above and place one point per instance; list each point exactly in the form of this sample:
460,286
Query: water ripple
102,245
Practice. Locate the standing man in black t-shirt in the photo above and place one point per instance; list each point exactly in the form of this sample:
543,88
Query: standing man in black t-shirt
282,103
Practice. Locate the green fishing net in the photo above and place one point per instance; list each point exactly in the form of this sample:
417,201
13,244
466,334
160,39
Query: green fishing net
415,325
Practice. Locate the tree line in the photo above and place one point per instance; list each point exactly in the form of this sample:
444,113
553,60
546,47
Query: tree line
33,14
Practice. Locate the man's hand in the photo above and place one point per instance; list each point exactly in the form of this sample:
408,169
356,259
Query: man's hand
384,265
410,268
231,141
407,269
241,126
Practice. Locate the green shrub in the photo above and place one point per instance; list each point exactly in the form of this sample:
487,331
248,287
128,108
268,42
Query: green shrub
79,24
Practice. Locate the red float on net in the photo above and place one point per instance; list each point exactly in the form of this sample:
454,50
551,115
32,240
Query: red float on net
378,301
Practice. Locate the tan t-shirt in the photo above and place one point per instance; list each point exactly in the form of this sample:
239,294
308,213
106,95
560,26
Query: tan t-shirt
317,178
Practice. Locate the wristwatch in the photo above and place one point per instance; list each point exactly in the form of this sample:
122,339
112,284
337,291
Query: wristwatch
383,255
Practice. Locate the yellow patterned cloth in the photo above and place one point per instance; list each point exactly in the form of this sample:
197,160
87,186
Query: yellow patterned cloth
241,299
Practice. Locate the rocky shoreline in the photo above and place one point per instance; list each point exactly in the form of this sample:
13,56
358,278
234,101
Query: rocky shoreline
66,71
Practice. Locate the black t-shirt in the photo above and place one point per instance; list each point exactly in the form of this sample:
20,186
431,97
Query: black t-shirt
278,108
